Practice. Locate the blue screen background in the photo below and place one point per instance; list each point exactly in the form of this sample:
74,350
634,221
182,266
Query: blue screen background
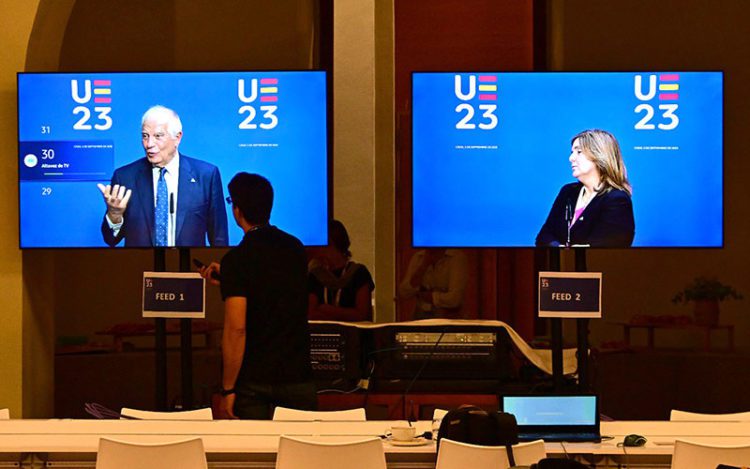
495,188
293,155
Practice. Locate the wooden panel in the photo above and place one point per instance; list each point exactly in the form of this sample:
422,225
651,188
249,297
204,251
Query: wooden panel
447,35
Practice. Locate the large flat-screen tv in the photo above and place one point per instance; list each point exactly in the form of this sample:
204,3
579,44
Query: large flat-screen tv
495,162
80,132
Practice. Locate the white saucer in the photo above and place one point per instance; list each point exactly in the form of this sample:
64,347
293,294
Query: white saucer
415,442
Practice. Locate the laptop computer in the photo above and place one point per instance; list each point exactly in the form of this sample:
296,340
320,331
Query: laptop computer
555,417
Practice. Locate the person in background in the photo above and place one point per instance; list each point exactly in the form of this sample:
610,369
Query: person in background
597,210
266,340
339,289
437,279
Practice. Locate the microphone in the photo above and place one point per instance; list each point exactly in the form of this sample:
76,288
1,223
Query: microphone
417,375
172,217
568,219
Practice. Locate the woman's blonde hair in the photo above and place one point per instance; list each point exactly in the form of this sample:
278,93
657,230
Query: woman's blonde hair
602,149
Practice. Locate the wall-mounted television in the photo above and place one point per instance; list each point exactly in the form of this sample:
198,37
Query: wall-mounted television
494,163
80,132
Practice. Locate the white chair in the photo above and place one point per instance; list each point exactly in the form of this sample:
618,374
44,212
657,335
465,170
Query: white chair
456,455
438,414
689,455
198,414
684,416
122,455
351,415
4,414
301,454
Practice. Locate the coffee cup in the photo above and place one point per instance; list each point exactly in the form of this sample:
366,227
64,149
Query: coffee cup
403,433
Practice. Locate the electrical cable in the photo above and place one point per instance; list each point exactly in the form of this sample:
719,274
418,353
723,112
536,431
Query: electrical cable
101,412
418,374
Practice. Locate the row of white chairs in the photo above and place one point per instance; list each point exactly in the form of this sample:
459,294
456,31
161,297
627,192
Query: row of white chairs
296,453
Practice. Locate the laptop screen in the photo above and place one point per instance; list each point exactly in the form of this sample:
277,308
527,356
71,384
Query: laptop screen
553,411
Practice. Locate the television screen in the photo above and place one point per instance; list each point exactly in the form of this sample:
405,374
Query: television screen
598,159
92,147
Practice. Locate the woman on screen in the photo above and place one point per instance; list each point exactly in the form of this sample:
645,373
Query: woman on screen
597,210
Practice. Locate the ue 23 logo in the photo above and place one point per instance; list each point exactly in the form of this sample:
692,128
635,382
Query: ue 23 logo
665,93
487,92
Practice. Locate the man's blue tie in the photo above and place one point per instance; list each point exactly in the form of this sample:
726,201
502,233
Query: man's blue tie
161,213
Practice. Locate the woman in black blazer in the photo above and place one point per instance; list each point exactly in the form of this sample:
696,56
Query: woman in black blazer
597,210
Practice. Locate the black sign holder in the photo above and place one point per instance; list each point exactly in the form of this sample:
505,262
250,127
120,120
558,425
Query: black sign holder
186,342
582,331
160,339
556,332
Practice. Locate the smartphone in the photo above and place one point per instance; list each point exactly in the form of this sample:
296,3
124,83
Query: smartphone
214,275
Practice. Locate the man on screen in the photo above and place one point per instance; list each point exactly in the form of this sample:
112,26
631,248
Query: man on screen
166,198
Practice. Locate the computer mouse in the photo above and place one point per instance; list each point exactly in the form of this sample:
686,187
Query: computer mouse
634,440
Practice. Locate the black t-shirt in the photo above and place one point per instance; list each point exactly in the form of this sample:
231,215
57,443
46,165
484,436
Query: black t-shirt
348,296
269,269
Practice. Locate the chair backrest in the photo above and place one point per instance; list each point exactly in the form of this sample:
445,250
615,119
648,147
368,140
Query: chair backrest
681,415
4,414
122,455
438,414
351,415
689,455
455,455
362,454
198,414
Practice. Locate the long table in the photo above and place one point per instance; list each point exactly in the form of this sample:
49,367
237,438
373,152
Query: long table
253,444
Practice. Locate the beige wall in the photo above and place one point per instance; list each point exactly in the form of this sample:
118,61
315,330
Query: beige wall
385,177
363,180
19,333
669,35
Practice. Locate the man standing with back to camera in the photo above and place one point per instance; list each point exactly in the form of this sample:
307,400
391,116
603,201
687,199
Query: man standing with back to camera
266,341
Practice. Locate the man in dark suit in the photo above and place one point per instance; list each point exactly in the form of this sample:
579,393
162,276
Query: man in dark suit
176,200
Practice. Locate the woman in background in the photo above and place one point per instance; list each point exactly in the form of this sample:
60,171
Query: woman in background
597,210
339,289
